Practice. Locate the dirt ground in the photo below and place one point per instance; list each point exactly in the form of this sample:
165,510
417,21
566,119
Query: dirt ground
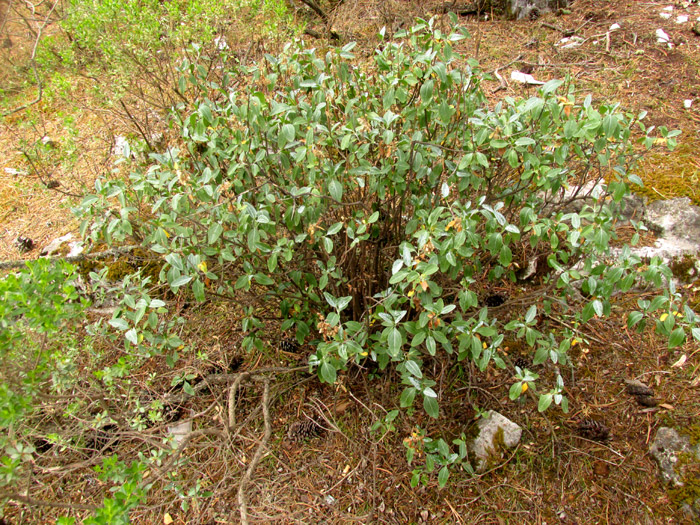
347,473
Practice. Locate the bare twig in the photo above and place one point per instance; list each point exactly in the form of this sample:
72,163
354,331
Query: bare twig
32,58
258,453
42,503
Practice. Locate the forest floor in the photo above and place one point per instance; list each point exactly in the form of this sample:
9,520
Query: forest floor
348,473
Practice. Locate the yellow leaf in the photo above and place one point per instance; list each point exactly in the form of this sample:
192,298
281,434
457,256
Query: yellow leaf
525,387
663,317
167,520
202,266
410,293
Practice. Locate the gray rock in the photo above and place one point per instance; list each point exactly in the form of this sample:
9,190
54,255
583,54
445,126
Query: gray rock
674,454
679,224
668,445
522,9
496,432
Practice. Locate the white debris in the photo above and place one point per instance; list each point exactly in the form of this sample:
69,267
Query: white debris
180,431
665,15
519,76
570,42
220,43
681,19
76,248
121,147
614,27
12,171
663,38
687,103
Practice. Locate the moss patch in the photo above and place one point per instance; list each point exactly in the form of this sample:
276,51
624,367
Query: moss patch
671,174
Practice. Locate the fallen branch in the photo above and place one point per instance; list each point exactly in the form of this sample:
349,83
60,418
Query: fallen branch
9,265
42,503
213,379
243,506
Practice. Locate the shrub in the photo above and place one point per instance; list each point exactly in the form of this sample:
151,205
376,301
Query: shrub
371,202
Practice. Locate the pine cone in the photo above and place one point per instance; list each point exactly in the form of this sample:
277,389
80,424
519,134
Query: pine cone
24,244
521,363
594,430
494,300
647,401
303,430
637,388
289,345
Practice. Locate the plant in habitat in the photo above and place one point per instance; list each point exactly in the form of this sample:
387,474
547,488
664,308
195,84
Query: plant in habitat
370,203
57,391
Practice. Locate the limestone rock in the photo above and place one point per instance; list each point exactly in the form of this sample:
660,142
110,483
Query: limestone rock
679,222
666,449
495,432
677,459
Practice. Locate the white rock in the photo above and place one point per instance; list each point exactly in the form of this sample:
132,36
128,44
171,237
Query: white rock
665,15
570,42
519,76
56,244
687,103
681,19
495,431
614,27
663,38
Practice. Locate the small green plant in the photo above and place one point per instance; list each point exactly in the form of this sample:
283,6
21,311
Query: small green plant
367,204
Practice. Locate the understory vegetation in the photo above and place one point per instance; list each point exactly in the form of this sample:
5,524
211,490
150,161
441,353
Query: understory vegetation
367,207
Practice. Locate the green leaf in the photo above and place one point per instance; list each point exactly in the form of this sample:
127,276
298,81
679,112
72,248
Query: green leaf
525,141
198,289
335,228
327,373
335,188
677,337
633,318
132,336
263,279
214,232
430,345
119,323
430,405
395,341
286,135
414,369
515,391
443,476
426,91
544,402
531,313
407,397
180,281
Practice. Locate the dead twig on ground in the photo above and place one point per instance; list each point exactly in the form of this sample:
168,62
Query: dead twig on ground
242,503
9,265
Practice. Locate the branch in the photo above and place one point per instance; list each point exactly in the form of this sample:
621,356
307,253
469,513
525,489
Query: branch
41,503
258,453
33,61
9,265
316,9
